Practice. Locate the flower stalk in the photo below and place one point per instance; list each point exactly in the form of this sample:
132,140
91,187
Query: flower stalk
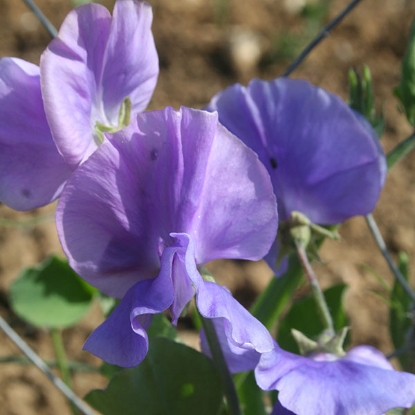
222,367
315,288
384,250
57,341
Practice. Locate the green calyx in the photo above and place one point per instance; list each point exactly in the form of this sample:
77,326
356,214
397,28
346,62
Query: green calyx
123,120
301,231
327,342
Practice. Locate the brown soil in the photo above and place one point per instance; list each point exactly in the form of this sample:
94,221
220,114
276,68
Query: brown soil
204,46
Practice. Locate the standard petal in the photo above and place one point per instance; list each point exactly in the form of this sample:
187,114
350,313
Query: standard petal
131,62
240,327
237,358
215,188
122,339
71,69
341,387
321,159
32,172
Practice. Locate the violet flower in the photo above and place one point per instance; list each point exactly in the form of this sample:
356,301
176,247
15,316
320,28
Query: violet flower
322,160
170,192
97,73
361,382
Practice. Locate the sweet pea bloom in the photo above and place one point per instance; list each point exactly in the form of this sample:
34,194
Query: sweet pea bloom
97,73
361,382
170,192
322,160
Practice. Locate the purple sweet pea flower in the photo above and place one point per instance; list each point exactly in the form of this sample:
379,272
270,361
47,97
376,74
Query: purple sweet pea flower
170,192
98,66
362,382
91,68
322,161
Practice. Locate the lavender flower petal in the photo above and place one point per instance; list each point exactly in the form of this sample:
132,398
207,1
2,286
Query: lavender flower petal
32,172
240,327
86,74
122,339
280,410
130,67
362,382
237,358
322,161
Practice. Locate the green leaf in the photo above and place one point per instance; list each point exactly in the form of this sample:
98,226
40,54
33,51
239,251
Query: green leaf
400,321
51,295
304,317
405,91
172,380
161,327
251,396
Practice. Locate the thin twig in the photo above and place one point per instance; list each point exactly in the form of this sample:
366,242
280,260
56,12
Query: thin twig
323,34
401,150
316,289
42,18
20,343
384,250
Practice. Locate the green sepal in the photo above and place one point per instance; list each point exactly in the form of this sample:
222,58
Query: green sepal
303,316
362,98
326,342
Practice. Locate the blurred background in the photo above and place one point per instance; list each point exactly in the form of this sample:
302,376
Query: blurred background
205,46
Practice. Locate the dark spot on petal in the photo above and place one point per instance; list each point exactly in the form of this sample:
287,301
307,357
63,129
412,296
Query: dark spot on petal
273,162
154,154
26,193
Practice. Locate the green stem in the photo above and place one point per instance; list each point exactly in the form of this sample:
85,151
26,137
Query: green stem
384,250
57,342
26,223
316,289
75,366
222,367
